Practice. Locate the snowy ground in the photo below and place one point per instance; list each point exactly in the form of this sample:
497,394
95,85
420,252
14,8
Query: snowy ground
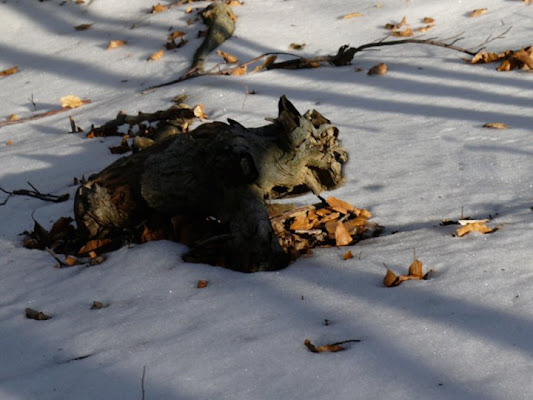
418,154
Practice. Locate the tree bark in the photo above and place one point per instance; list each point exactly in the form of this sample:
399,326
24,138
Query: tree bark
218,170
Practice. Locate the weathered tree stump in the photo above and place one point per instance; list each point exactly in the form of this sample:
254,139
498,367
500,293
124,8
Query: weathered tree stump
218,170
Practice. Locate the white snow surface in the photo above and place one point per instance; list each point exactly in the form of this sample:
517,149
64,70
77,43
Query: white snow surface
418,154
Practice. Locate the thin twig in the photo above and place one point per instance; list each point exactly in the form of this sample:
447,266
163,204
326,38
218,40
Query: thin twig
142,383
56,257
36,194
38,116
344,56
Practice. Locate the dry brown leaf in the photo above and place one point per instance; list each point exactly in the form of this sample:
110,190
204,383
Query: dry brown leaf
175,35
9,142
525,56
362,213
340,205
12,117
70,101
297,46
352,15
391,279
156,56
71,261
395,27
347,255
415,269
342,236
159,8
407,32
188,10
380,69
83,27
228,58
474,227
477,12
93,245
199,111
239,71
496,125
150,235
304,220
428,20
113,44
202,284
268,61
9,71
424,28
331,348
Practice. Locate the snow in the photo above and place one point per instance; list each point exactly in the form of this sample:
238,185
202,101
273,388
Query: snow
418,155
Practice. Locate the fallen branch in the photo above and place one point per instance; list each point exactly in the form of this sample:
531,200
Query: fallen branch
39,116
35,193
344,57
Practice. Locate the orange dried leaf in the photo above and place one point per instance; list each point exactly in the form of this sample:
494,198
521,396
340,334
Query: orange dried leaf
159,8
83,27
149,235
199,111
348,255
362,213
175,35
331,348
228,58
405,33
202,284
352,15
93,245
239,71
342,236
113,44
415,269
380,69
156,56
340,205
9,71
483,57
12,117
477,12
71,261
9,142
303,221
394,27
391,279
424,28
428,20
474,227
188,10
70,101
496,125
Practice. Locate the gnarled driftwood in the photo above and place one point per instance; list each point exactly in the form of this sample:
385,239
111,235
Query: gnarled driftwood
221,170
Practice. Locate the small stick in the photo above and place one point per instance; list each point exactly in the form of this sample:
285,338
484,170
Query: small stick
142,383
39,116
35,193
56,257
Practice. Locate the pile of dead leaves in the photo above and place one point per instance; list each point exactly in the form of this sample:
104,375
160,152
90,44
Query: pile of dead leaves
509,59
333,222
